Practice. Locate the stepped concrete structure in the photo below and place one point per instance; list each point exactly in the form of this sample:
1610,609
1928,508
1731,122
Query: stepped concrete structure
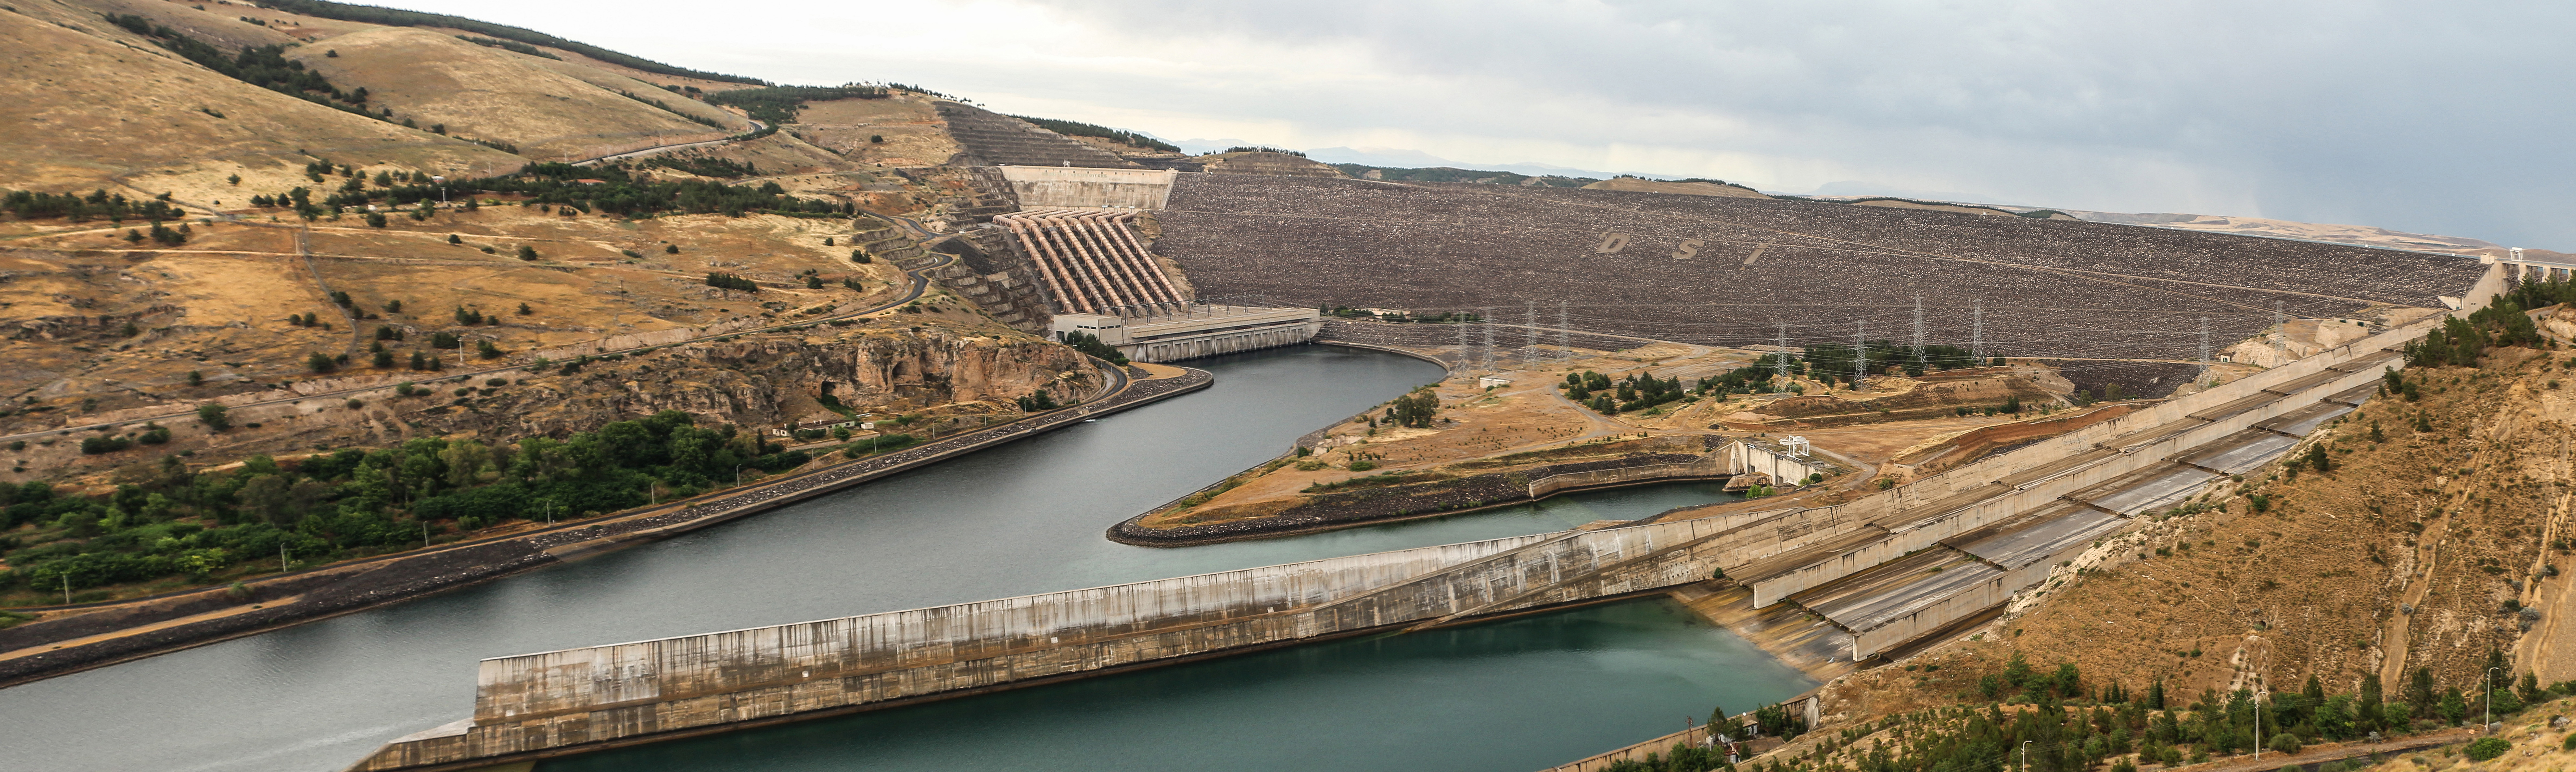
990,138
1104,283
1888,567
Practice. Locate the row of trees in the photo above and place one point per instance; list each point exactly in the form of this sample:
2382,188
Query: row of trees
732,282
263,66
778,104
1830,362
79,208
166,520
1091,344
617,192
1080,129
1638,391
2040,717
2460,343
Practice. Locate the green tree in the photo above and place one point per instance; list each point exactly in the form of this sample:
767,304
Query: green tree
2487,748
2453,708
2419,692
2366,717
1416,410
527,252
375,219
2317,458
212,415
320,362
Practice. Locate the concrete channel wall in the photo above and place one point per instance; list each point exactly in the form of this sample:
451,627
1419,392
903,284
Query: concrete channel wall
1923,513
579,699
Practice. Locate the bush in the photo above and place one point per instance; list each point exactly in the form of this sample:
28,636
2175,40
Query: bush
2488,748
212,415
2284,743
1363,465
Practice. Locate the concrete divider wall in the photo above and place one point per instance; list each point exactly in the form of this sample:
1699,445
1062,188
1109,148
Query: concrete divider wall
1933,616
536,702
573,679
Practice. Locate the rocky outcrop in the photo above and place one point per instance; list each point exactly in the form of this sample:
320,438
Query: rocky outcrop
772,379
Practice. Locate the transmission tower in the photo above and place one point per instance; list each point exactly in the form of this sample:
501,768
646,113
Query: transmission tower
1564,338
2280,334
1977,332
1780,359
1918,327
1860,353
1530,325
1465,355
1489,339
2204,341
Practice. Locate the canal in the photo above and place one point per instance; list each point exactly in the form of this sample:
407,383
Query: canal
1025,518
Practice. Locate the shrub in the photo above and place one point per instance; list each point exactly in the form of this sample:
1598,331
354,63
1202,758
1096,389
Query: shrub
527,252
1363,465
2284,742
2487,748
212,415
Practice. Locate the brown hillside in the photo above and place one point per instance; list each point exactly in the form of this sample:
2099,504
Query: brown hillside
914,135
96,107
218,304
1685,188
619,80
481,92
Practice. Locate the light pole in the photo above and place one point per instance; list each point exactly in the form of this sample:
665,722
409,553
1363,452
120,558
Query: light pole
442,189
2258,726
2491,687
737,474
2025,756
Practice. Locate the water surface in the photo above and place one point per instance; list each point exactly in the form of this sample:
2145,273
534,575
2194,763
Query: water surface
1020,519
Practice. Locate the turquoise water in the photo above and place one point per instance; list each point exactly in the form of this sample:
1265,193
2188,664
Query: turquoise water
1015,520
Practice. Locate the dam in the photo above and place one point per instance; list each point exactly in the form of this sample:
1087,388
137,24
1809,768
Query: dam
1074,233
1886,568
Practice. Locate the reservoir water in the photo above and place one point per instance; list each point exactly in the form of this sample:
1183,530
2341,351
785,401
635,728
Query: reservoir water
1025,518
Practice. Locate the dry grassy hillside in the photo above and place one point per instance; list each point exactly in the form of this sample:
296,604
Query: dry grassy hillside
2416,550
911,132
432,78
220,304
98,107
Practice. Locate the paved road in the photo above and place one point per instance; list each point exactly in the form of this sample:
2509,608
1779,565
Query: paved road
920,284
755,127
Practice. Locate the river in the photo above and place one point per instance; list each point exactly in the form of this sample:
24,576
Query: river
1020,519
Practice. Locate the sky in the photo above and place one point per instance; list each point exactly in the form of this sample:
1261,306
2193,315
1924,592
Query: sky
2419,117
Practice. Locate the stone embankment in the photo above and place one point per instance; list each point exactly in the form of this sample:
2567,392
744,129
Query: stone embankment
40,650
1663,460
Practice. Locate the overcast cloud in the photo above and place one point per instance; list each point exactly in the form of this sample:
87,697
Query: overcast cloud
2421,117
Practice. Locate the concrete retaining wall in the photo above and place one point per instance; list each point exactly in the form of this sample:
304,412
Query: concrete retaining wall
1043,186
1721,463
